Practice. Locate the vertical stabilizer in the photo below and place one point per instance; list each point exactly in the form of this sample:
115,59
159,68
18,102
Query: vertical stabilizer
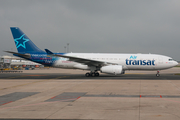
23,43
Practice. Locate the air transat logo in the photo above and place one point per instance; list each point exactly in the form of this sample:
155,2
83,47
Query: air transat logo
134,61
21,41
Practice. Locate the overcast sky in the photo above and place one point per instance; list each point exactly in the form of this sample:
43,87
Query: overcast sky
94,26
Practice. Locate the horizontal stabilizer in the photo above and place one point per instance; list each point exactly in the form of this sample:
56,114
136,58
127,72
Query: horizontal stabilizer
48,51
19,54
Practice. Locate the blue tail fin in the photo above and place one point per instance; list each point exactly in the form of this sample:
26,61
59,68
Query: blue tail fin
23,43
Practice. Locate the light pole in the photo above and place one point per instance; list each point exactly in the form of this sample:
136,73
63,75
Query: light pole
67,47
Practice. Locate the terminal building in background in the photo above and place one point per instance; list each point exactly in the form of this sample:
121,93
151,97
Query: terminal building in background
16,63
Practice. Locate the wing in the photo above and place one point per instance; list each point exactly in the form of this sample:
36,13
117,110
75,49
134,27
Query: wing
85,61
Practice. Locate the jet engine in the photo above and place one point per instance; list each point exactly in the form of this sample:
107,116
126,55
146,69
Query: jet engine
112,69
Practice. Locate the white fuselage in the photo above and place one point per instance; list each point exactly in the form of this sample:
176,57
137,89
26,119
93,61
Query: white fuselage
127,61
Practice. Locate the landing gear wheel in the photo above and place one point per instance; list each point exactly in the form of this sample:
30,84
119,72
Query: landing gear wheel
87,74
92,74
157,75
96,74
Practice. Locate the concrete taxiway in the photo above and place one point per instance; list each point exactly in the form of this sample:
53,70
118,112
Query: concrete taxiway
68,94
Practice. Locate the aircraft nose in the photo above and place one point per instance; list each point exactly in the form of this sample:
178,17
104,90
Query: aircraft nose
176,63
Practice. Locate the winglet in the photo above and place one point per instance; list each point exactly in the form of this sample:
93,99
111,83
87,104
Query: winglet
48,51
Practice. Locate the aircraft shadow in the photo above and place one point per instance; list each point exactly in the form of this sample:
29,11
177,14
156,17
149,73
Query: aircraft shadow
57,76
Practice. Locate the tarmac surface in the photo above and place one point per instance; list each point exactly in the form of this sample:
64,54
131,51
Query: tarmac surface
68,94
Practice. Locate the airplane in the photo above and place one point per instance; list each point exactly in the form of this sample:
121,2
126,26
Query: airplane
94,62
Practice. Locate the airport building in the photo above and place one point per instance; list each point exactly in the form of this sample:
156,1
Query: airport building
16,63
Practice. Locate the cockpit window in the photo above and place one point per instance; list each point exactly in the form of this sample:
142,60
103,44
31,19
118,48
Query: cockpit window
170,59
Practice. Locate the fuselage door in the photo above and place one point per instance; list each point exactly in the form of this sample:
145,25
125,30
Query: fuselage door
160,61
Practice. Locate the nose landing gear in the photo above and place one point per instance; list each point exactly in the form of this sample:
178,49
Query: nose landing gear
157,75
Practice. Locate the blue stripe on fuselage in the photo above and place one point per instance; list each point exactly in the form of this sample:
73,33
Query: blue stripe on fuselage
43,58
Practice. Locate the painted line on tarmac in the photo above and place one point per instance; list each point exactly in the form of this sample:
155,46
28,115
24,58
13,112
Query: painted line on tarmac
133,96
15,86
24,76
60,77
35,75
14,77
171,100
7,103
134,73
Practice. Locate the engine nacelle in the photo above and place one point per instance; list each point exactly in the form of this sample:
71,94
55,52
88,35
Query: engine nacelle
112,69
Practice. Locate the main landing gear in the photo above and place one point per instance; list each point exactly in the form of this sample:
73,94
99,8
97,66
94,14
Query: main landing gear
93,74
157,75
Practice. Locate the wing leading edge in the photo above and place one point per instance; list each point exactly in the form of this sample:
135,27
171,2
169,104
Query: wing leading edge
85,61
